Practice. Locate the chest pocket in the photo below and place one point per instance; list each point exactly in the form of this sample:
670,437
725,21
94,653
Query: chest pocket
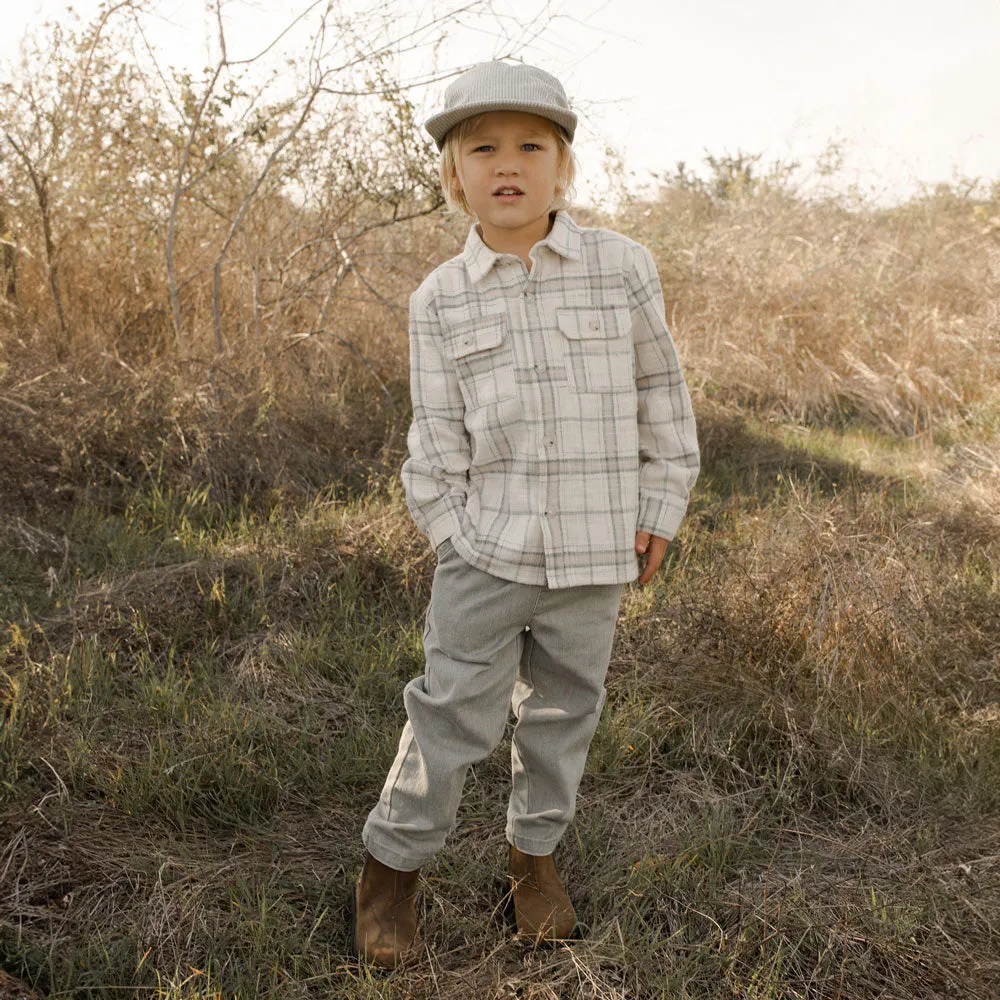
599,345
484,359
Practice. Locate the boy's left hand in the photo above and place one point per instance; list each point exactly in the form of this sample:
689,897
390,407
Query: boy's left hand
653,546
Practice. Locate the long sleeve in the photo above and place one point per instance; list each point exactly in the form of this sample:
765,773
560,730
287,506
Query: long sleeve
668,444
434,475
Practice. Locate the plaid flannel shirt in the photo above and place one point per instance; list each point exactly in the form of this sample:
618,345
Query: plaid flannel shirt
551,419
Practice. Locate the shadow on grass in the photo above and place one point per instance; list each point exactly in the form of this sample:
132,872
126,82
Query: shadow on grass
745,466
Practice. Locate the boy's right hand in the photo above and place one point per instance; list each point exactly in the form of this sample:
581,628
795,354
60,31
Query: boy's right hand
654,546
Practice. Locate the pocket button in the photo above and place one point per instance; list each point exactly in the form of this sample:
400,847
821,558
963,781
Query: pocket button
595,323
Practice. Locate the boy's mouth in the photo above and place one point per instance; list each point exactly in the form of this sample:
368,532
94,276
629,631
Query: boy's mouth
508,192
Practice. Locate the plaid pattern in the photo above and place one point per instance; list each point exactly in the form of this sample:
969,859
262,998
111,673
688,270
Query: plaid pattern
551,420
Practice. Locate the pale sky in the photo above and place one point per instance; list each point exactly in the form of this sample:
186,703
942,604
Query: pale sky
912,87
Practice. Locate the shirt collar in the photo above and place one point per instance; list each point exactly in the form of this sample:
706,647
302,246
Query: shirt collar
564,238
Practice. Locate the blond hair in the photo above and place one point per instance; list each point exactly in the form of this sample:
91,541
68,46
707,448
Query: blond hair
451,184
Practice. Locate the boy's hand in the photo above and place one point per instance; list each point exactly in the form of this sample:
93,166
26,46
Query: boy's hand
654,546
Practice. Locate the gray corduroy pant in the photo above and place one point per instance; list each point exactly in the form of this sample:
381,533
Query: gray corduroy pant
492,645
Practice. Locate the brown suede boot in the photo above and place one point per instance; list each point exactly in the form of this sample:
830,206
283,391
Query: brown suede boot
541,907
385,914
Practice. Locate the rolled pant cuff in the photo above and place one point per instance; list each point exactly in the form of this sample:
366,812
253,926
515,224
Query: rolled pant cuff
538,848
389,857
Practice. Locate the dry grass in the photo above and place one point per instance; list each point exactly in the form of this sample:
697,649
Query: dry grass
212,592
823,313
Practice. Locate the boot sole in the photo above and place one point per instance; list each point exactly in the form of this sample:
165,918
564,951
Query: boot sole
532,941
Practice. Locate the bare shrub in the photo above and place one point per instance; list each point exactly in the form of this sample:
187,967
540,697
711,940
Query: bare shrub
230,212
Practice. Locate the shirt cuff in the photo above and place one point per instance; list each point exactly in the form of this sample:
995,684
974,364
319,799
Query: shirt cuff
659,516
444,527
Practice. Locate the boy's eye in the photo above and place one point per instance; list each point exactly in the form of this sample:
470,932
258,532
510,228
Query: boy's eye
488,146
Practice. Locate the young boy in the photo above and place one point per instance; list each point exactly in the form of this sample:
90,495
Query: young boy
552,443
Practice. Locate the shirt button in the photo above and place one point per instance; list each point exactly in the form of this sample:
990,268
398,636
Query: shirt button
595,324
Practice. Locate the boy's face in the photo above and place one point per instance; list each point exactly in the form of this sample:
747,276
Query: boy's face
510,148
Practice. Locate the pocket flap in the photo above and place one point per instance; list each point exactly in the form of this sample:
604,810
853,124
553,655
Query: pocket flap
477,335
585,323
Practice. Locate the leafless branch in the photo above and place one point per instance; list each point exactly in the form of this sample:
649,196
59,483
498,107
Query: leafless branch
299,338
275,153
39,183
